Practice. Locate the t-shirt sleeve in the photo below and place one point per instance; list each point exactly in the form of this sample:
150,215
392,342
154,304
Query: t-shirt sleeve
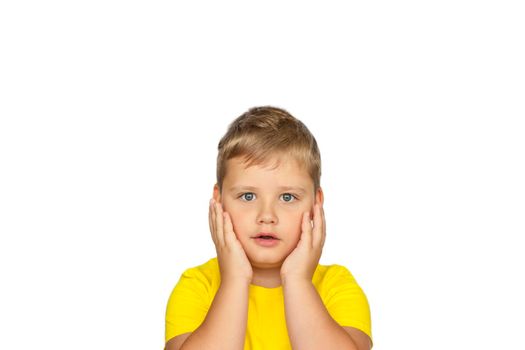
188,304
347,303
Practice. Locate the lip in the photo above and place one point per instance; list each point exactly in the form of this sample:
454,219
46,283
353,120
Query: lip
266,242
273,235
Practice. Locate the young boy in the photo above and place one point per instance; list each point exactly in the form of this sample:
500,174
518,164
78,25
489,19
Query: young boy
266,288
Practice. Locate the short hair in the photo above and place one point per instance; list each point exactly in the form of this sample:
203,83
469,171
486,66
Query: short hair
263,132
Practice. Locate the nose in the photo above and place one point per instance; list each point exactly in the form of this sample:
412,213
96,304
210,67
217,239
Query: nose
267,215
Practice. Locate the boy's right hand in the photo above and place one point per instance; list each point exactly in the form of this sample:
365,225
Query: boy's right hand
233,262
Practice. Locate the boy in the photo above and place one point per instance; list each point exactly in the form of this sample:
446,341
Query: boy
266,289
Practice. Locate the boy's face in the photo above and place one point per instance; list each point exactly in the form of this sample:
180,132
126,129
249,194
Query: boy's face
265,199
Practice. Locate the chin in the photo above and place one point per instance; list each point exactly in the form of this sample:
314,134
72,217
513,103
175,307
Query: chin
265,262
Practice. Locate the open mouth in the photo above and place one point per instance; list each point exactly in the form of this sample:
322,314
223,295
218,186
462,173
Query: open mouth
266,240
266,237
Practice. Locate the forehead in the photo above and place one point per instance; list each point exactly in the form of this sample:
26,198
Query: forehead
280,171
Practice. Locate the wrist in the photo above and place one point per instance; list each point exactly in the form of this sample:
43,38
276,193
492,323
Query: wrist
235,282
292,280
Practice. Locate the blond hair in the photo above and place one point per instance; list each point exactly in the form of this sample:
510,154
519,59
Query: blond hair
264,132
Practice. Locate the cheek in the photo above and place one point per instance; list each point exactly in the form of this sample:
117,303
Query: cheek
296,223
297,218
239,222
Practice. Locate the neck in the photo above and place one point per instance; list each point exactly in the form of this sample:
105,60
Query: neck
266,277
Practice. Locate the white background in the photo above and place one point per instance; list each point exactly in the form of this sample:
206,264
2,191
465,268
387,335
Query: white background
111,112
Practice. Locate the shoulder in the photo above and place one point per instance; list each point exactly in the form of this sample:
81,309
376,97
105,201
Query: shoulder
208,270
191,298
332,274
335,283
205,277
197,285
343,297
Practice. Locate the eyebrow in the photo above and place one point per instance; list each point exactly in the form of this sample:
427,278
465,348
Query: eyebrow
281,188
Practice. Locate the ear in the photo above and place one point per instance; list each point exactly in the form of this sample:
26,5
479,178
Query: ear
216,193
319,199
319,196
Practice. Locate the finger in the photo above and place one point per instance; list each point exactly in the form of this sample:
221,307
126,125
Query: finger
219,224
324,226
306,227
229,235
317,233
214,219
211,222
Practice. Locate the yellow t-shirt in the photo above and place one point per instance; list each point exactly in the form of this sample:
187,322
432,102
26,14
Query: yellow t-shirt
266,328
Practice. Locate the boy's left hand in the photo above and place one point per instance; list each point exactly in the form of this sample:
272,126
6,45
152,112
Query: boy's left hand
303,260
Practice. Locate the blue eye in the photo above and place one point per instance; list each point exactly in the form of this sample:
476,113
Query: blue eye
248,197
288,197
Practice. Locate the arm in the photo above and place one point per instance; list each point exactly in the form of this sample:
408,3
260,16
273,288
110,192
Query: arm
310,326
309,323
225,324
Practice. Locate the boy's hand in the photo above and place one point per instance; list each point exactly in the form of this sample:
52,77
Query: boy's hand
233,262
303,260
